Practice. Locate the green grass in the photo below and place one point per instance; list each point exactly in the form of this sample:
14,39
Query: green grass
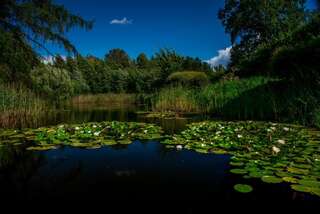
210,99
255,98
176,99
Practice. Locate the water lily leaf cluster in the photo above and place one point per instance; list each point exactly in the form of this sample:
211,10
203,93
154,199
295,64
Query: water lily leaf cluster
89,135
274,153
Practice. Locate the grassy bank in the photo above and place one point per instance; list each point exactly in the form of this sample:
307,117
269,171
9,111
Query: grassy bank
19,107
255,98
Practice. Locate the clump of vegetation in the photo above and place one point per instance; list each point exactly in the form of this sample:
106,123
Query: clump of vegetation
105,99
189,78
272,152
19,106
175,99
51,82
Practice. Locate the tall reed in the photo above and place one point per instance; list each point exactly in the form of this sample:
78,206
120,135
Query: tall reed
20,107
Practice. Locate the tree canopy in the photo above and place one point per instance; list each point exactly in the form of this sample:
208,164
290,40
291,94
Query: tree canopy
251,23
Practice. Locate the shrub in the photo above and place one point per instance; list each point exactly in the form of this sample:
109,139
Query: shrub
189,78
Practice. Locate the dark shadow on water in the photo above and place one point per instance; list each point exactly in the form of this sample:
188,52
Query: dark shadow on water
141,171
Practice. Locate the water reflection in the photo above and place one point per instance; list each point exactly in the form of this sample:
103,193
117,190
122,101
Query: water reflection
144,171
83,113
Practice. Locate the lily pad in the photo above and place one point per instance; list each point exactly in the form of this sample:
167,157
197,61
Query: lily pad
271,179
243,188
310,183
290,180
41,148
239,171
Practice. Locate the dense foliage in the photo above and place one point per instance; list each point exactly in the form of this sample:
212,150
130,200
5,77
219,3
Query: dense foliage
29,23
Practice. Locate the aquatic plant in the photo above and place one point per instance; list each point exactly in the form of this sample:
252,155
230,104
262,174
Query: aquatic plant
243,188
272,152
88,135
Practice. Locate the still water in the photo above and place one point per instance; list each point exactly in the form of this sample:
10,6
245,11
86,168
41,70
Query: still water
140,171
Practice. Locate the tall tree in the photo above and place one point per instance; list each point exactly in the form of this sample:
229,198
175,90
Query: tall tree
117,58
251,23
142,60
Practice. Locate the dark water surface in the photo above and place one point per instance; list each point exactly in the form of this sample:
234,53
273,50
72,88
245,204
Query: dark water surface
140,171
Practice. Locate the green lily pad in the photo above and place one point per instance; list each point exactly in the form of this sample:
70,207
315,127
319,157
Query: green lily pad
236,163
290,180
108,142
239,171
41,148
301,188
310,183
125,142
257,174
243,188
298,171
271,179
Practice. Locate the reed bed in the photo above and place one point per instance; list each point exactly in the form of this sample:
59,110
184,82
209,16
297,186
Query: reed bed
20,107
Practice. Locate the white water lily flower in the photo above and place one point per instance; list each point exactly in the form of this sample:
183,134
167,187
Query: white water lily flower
240,136
77,128
94,126
145,131
96,133
286,129
275,149
282,142
179,147
89,132
202,145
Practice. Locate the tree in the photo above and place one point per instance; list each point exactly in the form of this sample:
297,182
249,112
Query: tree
54,83
168,61
117,58
251,23
39,20
28,23
142,61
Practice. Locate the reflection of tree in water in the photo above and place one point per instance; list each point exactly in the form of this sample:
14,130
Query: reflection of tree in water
17,167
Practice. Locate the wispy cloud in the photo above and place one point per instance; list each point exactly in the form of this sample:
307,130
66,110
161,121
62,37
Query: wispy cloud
223,58
123,21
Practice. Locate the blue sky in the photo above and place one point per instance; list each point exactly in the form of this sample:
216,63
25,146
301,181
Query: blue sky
190,27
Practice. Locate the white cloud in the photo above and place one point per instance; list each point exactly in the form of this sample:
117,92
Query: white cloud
123,21
48,60
223,58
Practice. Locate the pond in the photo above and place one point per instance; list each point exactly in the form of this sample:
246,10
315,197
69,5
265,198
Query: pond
144,169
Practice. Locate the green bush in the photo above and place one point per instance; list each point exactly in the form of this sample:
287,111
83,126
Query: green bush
51,82
189,78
